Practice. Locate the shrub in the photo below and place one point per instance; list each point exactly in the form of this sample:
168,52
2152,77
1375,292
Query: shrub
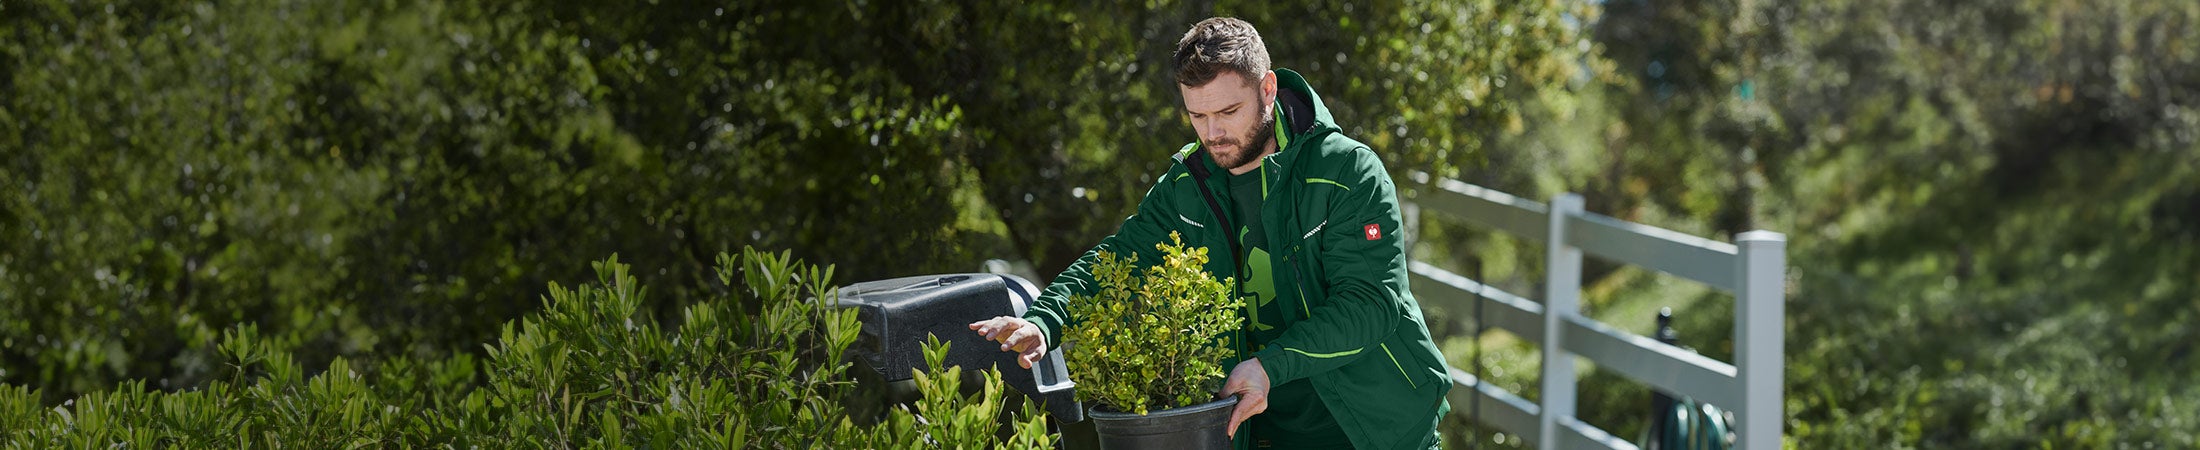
592,369
1153,341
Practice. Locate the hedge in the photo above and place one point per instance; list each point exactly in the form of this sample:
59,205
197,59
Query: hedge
757,365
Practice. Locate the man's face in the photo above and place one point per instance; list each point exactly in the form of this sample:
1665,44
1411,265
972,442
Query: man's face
1233,118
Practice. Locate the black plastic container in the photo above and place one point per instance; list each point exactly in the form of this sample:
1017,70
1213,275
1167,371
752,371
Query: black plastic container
1196,427
898,314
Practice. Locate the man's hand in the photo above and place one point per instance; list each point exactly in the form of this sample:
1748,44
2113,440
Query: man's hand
1015,335
1250,382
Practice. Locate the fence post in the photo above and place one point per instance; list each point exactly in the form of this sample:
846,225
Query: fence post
1761,322
1561,298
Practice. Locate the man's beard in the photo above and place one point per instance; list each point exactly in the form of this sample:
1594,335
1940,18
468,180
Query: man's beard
1262,133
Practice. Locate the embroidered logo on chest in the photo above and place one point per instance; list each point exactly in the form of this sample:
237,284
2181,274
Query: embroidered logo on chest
1374,232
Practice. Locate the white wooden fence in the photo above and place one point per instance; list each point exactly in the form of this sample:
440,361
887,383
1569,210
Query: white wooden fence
1753,270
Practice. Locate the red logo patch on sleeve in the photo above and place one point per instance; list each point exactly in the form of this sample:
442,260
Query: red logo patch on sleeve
1374,232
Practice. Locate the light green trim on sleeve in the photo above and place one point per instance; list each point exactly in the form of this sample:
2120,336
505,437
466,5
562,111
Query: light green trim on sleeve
1327,181
1325,355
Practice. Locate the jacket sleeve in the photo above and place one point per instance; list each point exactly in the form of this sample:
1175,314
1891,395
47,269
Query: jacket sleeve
1148,226
1364,267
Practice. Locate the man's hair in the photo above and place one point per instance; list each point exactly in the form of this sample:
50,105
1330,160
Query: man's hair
1218,44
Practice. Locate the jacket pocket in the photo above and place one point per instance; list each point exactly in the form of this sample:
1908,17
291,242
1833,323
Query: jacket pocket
1399,364
1305,260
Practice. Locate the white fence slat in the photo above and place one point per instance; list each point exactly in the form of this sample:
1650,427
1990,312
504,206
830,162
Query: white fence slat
1500,408
1435,287
1679,372
1514,215
1581,434
1703,260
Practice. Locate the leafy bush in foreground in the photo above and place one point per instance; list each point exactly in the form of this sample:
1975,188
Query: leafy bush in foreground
592,369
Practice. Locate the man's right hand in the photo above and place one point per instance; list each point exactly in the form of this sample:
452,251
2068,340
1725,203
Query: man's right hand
1015,335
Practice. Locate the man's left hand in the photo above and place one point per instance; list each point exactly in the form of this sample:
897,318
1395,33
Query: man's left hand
1250,382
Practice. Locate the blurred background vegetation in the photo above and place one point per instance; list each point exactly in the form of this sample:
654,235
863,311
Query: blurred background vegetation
1992,206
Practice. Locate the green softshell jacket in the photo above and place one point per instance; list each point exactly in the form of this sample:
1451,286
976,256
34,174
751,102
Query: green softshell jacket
1332,221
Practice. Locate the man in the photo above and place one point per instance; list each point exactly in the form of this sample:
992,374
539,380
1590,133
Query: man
1335,353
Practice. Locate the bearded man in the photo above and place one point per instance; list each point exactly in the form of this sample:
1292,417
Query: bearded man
1332,352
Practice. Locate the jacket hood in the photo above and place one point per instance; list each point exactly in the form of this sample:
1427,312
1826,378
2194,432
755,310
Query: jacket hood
1301,107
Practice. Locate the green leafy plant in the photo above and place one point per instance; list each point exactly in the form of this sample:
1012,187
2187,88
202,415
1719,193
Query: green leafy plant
760,367
1153,339
956,421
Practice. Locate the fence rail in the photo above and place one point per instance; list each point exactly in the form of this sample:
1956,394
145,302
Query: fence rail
1752,269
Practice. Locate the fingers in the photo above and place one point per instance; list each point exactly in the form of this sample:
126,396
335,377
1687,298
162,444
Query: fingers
1013,340
1030,357
1026,339
1237,416
1248,405
1250,382
1003,328
995,327
986,326
1014,336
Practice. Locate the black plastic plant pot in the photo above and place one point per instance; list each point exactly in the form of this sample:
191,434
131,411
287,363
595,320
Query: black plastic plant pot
1201,426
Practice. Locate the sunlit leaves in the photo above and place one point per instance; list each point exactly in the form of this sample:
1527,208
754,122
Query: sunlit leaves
1151,339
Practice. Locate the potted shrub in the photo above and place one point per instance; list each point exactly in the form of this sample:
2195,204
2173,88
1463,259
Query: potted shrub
1148,351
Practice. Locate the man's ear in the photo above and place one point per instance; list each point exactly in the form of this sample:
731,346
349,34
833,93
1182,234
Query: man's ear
1268,86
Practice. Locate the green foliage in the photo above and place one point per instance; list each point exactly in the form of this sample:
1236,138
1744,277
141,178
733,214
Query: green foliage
1986,200
383,179
370,179
1990,208
1153,339
588,371
955,421
1989,205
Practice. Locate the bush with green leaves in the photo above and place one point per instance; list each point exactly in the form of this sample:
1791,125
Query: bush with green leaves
399,178
1151,340
764,368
